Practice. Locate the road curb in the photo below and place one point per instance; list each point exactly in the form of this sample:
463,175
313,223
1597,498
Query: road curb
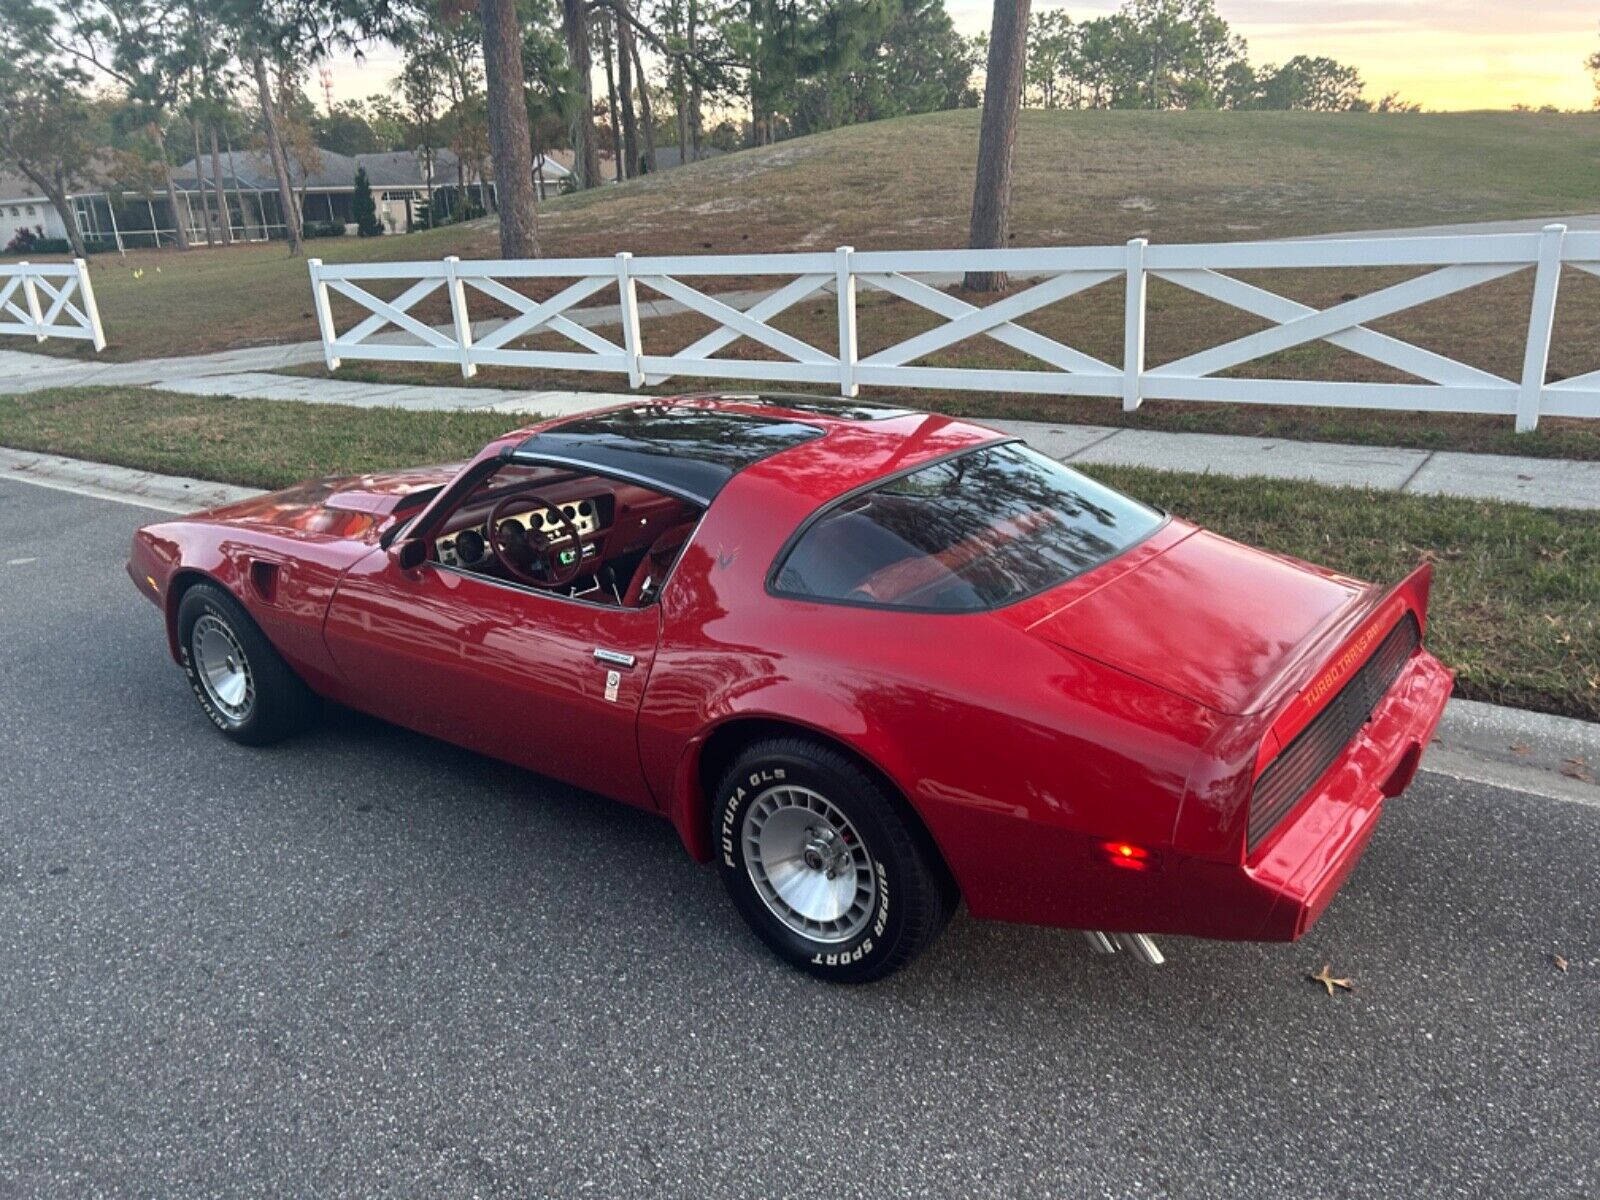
1558,757
1555,757
170,493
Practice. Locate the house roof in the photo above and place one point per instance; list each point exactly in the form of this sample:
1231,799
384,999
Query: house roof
17,187
404,168
99,175
252,170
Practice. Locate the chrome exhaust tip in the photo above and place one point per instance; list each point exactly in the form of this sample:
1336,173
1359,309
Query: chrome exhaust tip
1099,942
1141,945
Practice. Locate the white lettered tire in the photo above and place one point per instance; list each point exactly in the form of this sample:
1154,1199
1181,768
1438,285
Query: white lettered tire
242,684
820,863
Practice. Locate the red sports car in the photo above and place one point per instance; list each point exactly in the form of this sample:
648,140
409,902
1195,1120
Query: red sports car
873,662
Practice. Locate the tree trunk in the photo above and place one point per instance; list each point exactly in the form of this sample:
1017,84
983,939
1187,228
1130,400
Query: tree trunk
1002,97
611,98
680,95
646,114
180,234
280,168
238,192
509,143
221,192
586,162
200,183
55,190
630,122
696,94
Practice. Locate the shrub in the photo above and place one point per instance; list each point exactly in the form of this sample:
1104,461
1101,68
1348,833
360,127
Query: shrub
366,210
33,241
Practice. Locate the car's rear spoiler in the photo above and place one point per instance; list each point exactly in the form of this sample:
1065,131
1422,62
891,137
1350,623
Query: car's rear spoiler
1318,674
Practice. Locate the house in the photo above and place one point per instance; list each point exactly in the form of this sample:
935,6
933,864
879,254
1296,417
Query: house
407,186
22,207
411,190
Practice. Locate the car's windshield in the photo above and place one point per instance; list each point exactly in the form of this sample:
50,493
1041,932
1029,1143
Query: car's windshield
975,531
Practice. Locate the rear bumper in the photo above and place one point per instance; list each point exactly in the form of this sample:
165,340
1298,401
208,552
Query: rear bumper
1287,882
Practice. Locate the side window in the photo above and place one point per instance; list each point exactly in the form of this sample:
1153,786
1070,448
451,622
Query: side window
972,532
584,537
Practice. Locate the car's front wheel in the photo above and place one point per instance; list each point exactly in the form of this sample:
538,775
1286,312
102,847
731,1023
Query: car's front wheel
242,684
822,866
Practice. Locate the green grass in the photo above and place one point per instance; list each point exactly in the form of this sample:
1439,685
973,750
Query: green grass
1081,178
1516,599
258,443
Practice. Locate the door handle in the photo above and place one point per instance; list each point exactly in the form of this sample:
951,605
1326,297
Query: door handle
613,658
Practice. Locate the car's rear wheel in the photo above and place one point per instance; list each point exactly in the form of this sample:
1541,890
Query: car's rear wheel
241,682
821,864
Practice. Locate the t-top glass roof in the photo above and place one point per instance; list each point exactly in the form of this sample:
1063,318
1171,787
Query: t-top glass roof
693,451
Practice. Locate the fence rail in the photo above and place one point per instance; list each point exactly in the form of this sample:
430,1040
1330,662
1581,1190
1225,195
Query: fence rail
389,331
37,301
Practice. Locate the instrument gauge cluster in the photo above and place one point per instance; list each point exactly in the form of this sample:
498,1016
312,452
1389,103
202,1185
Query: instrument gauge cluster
469,547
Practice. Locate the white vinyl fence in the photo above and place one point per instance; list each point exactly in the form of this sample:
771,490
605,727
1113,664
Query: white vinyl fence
1051,275
37,301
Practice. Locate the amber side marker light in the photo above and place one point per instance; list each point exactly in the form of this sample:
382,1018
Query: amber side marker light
151,580
1127,856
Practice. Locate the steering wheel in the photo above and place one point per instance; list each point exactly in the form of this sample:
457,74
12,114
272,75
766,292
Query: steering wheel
523,552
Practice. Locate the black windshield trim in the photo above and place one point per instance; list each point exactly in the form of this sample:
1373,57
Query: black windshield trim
541,457
793,539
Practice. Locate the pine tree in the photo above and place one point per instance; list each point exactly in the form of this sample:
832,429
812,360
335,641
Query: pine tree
366,211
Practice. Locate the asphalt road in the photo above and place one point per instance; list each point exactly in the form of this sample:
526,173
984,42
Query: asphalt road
364,963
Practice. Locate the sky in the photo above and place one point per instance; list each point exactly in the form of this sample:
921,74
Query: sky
1443,54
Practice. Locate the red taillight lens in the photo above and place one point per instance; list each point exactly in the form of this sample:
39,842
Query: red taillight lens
1127,856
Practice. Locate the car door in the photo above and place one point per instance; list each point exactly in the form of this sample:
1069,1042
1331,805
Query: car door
537,679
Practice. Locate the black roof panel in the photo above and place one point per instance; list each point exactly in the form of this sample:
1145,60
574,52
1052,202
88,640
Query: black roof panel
694,451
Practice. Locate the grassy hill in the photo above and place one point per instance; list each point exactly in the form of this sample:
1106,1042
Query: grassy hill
1080,178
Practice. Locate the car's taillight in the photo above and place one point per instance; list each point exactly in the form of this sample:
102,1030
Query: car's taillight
1128,856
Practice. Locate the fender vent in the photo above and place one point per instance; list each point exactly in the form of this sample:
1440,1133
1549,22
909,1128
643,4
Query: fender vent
264,579
1294,772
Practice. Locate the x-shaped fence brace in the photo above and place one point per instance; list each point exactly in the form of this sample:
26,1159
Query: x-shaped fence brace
60,283
1052,274
1343,324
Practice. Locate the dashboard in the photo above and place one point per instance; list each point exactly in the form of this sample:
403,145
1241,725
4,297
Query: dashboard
469,547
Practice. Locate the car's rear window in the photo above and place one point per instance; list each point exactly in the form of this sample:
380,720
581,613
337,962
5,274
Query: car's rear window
976,531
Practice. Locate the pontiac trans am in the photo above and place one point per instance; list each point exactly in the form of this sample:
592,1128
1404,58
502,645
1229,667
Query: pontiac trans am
873,663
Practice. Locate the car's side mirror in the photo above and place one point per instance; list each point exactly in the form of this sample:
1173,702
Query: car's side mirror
408,553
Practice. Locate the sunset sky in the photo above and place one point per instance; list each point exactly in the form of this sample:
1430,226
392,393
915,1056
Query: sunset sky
1444,54
1440,53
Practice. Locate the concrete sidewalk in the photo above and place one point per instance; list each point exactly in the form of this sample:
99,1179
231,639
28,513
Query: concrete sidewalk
21,371
1544,482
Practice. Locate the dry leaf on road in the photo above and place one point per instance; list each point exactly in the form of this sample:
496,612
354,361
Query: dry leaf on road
1326,979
